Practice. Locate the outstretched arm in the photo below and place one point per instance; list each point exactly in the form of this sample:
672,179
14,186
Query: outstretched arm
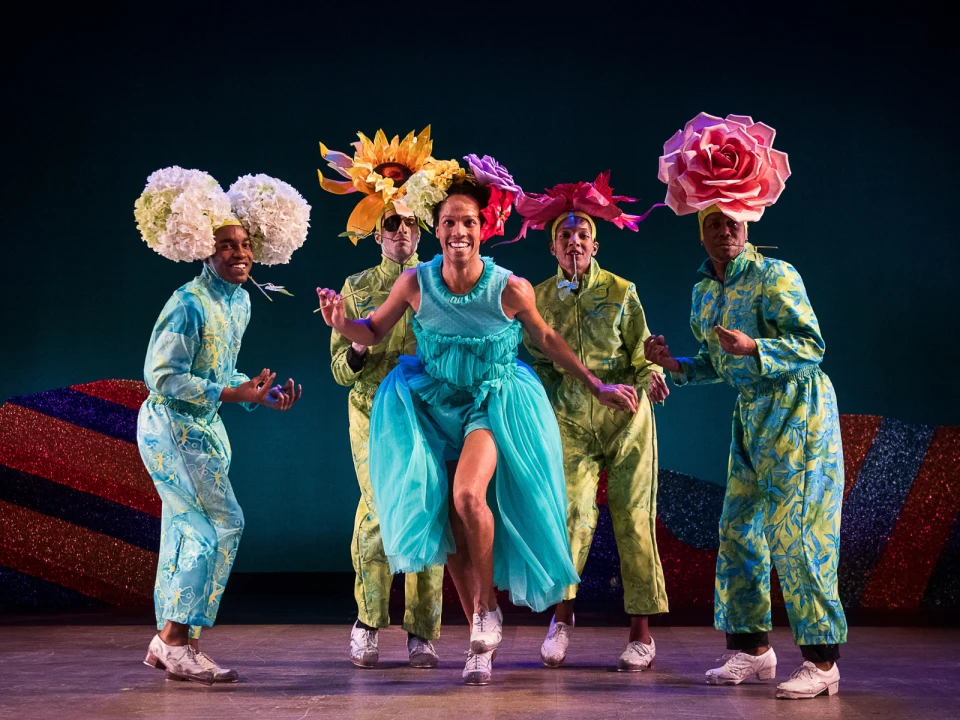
519,301
371,330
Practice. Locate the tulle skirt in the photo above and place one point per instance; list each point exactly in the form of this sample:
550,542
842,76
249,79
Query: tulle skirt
419,422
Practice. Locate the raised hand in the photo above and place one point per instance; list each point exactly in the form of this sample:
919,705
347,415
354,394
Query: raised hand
331,307
735,342
657,351
253,390
282,398
618,397
658,390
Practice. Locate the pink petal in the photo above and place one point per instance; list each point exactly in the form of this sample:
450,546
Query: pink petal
763,133
780,163
701,121
744,120
674,143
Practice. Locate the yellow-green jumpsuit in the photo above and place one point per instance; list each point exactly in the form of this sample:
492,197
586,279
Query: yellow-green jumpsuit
363,374
605,326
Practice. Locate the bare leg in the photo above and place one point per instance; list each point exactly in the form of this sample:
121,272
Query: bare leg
175,633
639,629
478,460
458,564
563,612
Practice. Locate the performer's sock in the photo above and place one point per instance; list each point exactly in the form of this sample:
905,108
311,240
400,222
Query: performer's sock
363,626
820,653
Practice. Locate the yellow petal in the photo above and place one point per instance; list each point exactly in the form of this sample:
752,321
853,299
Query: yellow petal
337,187
364,217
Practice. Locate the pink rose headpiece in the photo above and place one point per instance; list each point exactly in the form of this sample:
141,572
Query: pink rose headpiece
730,164
595,200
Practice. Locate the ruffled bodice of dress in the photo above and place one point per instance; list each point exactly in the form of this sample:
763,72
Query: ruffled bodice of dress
465,341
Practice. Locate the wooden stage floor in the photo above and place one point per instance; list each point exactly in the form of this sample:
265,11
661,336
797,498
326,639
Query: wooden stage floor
301,671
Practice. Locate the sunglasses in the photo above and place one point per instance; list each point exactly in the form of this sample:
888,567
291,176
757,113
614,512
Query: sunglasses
392,223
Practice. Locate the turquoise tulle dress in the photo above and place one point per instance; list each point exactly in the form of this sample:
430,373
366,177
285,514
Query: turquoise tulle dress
466,377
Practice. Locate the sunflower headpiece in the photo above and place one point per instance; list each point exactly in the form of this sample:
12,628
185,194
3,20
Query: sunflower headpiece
379,169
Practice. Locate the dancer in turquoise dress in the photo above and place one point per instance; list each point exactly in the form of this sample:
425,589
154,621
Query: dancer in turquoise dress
465,408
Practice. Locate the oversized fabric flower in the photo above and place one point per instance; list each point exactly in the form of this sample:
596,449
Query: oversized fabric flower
273,213
445,172
496,212
729,163
596,199
489,172
423,195
178,212
379,169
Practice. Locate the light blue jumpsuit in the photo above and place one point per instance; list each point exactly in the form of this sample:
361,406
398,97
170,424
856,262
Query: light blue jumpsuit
190,360
785,484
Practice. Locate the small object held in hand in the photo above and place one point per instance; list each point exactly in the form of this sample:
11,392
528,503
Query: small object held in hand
271,287
342,297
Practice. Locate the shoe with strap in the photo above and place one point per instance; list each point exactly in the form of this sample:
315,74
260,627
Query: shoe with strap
739,666
220,675
638,657
422,653
554,649
487,630
808,681
479,667
364,651
178,660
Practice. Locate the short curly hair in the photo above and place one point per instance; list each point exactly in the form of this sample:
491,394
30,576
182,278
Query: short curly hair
480,194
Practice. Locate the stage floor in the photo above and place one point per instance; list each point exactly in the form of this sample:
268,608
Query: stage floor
301,671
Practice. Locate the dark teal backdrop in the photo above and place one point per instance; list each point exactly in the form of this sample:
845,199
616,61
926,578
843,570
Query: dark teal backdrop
94,103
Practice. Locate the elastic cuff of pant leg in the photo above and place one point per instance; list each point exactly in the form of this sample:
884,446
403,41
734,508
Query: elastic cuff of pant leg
195,626
747,641
571,592
820,653
375,625
645,612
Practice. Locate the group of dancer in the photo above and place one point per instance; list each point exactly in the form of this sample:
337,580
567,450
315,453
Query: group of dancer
468,458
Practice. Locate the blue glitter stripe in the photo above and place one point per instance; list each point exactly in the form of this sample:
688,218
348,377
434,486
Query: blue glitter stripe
943,590
601,574
26,591
871,509
690,508
101,416
79,508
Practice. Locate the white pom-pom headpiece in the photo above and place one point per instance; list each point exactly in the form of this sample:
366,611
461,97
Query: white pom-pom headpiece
178,212
273,213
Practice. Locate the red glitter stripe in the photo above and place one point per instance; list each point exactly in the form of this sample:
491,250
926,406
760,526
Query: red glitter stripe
923,528
96,565
689,572
602,488
857,433
129,393
77,457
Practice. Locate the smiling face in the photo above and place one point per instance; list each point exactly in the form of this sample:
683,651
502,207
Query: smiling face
399,236
458,229
574,244
233,258
723,237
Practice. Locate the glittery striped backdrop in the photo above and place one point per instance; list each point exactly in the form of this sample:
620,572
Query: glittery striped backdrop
80,520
